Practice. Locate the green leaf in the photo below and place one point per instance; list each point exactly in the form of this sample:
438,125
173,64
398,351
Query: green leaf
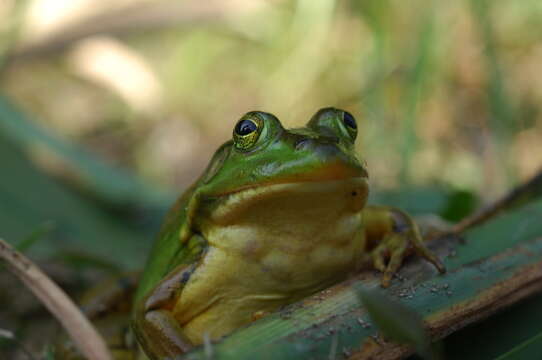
397,321
112,184
498,334
29,199
415,200
37,234
460,204
529,349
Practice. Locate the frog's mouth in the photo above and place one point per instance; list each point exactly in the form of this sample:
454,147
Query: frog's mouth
309,196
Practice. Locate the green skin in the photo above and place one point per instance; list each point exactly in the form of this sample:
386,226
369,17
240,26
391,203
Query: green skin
249,178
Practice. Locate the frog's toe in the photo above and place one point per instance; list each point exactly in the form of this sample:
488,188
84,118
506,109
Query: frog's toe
395,262
393,248
378,257
427,255
424,252
388,256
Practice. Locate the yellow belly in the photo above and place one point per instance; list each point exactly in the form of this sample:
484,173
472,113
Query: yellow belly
272,248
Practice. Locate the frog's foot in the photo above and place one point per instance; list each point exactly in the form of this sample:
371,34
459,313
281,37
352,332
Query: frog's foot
388,255
163,335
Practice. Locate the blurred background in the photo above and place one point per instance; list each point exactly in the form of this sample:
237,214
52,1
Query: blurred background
109,109
445,92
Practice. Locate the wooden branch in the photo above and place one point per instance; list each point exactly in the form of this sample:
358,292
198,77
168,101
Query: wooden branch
85,337
526,281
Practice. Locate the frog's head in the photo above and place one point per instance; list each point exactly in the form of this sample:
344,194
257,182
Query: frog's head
263,153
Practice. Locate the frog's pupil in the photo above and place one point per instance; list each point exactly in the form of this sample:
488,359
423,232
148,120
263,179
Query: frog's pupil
349,120
245,127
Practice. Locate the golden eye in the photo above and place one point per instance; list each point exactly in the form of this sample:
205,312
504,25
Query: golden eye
246,133
350,123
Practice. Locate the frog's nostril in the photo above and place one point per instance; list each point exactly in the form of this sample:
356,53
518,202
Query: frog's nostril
302,143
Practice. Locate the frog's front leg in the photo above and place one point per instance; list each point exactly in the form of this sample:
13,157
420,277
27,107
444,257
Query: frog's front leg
158,330
164,335
390,235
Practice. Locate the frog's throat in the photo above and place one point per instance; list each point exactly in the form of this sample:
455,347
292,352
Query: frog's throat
354,190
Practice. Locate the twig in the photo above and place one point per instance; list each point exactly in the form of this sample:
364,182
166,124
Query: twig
85,337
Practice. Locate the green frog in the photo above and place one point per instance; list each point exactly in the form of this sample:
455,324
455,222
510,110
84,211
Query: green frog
278,214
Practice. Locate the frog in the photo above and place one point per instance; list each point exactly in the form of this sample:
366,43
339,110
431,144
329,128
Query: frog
277,215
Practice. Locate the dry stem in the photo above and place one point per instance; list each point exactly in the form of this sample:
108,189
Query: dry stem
84,335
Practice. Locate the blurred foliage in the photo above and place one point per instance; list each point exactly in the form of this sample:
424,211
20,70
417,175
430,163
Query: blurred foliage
109,183
447,94
501,334
397,322
459,204
35,209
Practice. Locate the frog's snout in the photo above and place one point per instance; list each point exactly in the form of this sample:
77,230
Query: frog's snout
325,149
327,146
302,144
328,151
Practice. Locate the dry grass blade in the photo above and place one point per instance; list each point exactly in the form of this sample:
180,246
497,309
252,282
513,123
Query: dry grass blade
87,339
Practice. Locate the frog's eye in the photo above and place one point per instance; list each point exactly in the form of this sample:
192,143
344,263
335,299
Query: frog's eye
350,124
247,132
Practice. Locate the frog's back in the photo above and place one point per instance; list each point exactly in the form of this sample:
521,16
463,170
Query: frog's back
168,250
175,245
